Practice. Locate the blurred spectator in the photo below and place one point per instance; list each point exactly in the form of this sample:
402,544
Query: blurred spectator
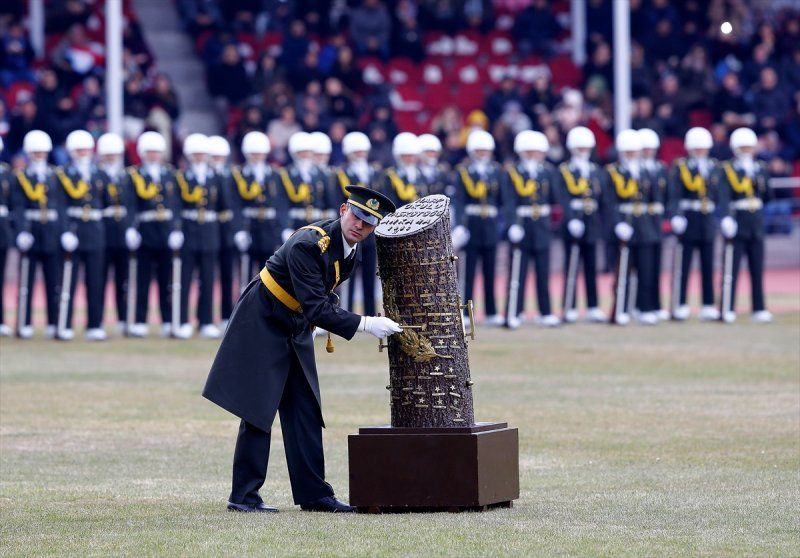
535,27
228,81
16,55
505,94
769,103
341,106
280,130
601,65
346,70
301,74
25,119
643,116
76,56
267,73
729,105
541,98
295,45
47,94
448,121
63,15
671,106
370,28
337,131
406,36
697,80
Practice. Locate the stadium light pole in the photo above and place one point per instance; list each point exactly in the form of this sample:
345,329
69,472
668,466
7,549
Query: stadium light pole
36,26
114,65
622,64
578,24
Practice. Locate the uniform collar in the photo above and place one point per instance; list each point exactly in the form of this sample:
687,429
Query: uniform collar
346,248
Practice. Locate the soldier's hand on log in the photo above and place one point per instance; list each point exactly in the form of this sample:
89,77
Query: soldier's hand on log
379,326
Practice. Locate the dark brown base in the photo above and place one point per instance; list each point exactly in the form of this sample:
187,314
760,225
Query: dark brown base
434,469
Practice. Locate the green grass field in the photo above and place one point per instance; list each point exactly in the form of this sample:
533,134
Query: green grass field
680,439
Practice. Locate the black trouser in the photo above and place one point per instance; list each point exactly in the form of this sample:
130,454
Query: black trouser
642,259
367,269
706,248
541,266
302,441
51,267
227,259
657,256
587,254
147,260
3,253
118,259
487,256
205,264
754,250
92,263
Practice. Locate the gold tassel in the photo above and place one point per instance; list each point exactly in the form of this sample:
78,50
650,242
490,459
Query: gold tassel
329,346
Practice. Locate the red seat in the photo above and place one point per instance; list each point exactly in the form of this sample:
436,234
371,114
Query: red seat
700,117
432,73
671,149
438,95
470,97
565,72
403,70
13,92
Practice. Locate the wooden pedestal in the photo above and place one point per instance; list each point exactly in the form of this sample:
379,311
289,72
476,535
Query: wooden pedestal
430,469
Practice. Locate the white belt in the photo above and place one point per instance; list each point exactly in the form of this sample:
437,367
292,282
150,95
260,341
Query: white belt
533,211
3,211
480,210
703,206
748,204
261,213
115,211
309,213
155,215
84,214
39,215
638,209
199,215
587,205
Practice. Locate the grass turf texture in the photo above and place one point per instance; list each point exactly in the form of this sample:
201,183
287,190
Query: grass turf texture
680,439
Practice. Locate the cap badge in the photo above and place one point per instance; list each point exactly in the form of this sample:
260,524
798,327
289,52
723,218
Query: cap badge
372,203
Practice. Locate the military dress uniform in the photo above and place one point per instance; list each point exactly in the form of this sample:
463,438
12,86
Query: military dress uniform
694,193
117,217
229,219
529,204
6,230
438,179
658,175
308,200
743,197
397,185
156,209
38,208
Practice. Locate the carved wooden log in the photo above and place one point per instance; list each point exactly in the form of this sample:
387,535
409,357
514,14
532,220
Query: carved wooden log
429,378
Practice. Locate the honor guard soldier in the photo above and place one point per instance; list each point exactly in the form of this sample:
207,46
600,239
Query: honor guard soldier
635,199
479,198
37,202
583,198
437,175
322,149
116,220
359,172
692,199
745,189
263,206
201,203
656,173
218,152
157,236
84,242
403,183
304,184
532,193
265,364
6,235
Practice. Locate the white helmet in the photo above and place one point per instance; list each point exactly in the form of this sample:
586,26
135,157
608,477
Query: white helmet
79,139
355,141
195,143
255,142
321,143
743,137
648,138
429,142
528,140
628,140
218,146
405,143
300,141
110,144
580,137
37,141
479,139
150,141
698,138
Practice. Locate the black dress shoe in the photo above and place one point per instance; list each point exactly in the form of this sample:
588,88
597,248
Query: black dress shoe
258,508
328,504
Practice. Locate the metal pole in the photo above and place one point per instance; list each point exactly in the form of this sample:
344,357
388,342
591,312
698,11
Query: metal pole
578,22
622,65
36,25
114,75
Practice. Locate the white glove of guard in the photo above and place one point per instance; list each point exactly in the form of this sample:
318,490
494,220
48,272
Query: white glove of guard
678,224
460,236
623,231
132,239
576,228
175,240
286,234
24,241
729,227
69,242
242,240
516,233
379,326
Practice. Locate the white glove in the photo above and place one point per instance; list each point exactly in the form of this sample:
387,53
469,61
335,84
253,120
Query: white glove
516,233
379,326
286,234
24,241
678,224
132,239
729,227
175,240
460,237
623,231
576,228
69,242
242,240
